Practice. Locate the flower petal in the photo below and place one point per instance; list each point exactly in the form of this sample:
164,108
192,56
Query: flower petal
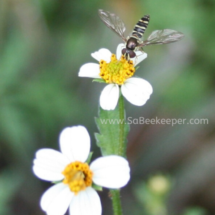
86,202
109,97
137,91
110,171
140,56
119,50
56,200
49,164
75,143
89,70
102,54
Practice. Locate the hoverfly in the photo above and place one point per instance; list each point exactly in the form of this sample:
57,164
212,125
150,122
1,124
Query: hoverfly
135,42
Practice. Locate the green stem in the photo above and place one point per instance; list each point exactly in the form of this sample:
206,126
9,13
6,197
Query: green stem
121,149
117,208
115,194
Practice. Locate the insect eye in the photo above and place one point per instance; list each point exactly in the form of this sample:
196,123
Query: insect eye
132,54
123,51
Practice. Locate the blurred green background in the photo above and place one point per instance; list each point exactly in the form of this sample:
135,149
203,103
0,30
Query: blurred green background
43,43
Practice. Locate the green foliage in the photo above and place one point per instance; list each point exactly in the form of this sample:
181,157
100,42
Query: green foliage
187,88
153,194
109,125
89,157
97,187
195,211
99,80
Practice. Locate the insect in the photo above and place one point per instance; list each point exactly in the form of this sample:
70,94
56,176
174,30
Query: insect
135,42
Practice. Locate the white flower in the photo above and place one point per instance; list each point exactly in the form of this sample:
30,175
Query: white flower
75,191
118,72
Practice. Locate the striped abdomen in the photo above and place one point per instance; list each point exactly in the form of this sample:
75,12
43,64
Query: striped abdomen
140,27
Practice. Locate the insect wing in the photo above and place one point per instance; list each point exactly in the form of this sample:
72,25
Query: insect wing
162,37
113,22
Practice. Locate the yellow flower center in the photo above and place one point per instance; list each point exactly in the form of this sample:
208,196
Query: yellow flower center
78,176
117,71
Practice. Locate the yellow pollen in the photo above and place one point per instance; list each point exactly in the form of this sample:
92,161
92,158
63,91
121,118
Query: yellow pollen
78,176
117,71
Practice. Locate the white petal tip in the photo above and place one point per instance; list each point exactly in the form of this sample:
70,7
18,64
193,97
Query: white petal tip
109,97
137,91
102,54
89,70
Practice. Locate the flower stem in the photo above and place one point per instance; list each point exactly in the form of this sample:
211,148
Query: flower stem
115,194
117,208
121,149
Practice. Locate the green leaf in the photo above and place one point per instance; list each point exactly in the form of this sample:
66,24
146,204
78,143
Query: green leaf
99,80
113,132
195,211
56,182
97,187
136,68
